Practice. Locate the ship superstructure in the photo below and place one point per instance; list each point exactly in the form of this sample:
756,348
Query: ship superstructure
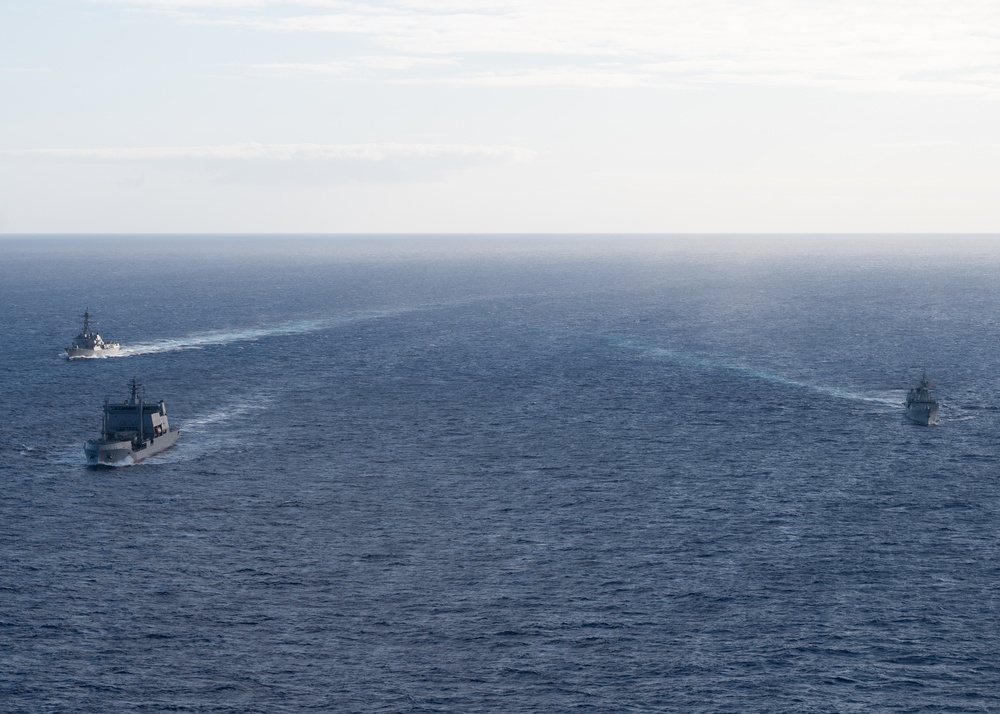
131,431
90,344
921,406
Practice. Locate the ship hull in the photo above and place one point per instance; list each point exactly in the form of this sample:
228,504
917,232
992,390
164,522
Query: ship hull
923,414
123,453
87,353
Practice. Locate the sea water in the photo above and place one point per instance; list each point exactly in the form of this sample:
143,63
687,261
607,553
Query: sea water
420,475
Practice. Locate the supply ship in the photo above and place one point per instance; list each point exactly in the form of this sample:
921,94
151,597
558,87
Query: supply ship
131,431
90,344
921,406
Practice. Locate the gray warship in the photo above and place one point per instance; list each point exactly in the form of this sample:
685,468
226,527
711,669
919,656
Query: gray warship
131,431
921,406
90,344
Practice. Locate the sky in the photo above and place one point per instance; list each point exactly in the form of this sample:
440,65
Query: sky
499,116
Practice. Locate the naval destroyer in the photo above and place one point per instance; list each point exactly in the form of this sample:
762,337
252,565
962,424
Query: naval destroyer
90,344
921,406
131,431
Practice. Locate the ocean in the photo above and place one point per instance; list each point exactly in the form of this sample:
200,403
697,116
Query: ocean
504,474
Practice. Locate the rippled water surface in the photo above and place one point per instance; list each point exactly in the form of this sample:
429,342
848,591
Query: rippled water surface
533,483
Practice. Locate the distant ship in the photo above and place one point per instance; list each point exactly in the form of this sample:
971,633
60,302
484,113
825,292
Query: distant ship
921,406
131,432
90,344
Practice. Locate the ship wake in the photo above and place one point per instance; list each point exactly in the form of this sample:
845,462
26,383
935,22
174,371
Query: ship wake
215,431
225,337
213,338
691,360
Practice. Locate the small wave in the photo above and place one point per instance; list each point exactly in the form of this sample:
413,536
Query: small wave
68,456
61,454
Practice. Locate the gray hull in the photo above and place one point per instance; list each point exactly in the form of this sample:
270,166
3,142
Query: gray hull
124,453
924,414
86,353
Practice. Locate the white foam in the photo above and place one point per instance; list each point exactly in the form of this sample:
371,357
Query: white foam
211,432
224,414
693,360
225,337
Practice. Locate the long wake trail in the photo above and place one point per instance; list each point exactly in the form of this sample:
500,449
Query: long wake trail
212,338
752,372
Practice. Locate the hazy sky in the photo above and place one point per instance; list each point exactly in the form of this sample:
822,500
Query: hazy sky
499,115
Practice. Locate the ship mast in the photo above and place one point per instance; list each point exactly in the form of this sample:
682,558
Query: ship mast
137,400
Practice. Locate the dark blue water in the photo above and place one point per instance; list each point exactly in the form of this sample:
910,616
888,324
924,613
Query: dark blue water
529,482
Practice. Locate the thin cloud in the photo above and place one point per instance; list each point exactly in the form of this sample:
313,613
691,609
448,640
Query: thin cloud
939,46
569,76
352,67
563,76
199,4
295,164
